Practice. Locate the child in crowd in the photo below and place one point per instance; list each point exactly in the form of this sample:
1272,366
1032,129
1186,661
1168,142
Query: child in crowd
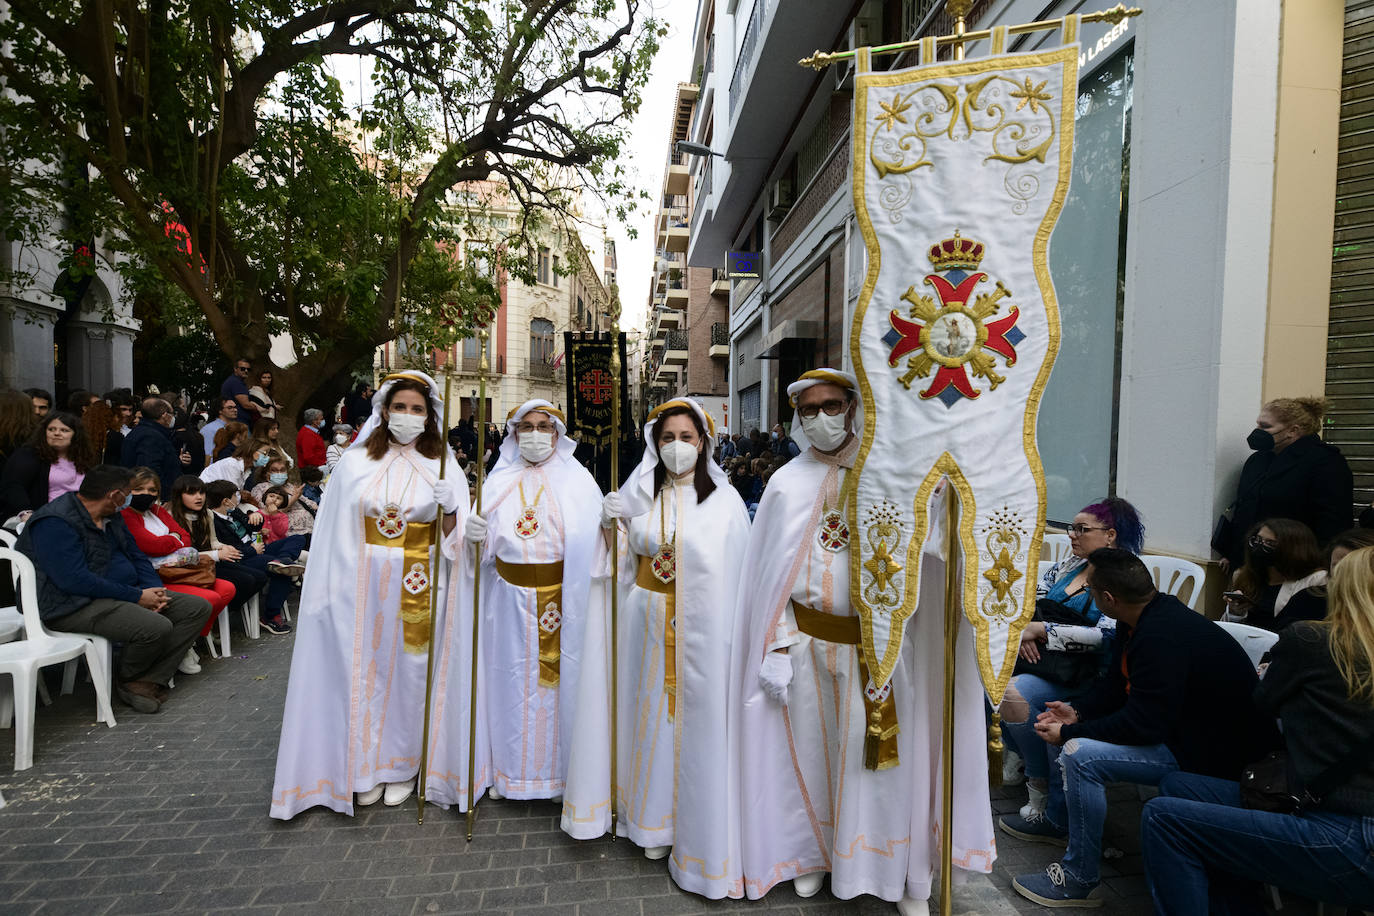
313,481
237,529
274,519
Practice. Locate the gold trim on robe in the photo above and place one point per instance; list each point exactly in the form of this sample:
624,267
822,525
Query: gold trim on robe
547,581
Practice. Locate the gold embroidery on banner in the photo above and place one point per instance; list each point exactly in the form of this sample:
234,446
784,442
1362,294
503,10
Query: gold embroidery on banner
995,678
884,531
1004,535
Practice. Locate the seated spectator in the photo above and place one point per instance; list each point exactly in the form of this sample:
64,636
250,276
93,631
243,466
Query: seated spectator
274,520
300,509
343,435
310,450
187,508
1282,561
238,468
92,578
237,529
1064,649
168,546
231,437
227,413
312,489
1176,696
151,444
260,396
40,400
102,429
265,435
52,463
1206,852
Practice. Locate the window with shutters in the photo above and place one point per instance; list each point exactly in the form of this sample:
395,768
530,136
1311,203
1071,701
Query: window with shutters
541,342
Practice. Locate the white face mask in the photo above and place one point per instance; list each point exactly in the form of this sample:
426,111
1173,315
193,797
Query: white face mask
341,439
824,431
678,456
536,446
405,427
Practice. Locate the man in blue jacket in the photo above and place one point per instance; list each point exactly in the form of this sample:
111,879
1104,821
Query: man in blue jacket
151,444
93,579
1177,695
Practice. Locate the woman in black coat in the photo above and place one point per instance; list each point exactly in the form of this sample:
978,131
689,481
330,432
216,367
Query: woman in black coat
1293,474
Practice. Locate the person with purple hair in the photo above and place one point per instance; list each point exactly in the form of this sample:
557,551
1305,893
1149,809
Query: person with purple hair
1064,647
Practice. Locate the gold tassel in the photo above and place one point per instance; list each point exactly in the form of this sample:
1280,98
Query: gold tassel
995,751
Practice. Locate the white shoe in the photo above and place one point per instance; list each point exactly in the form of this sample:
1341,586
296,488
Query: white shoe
807,885
1013,768
190,664
397,792
1039,800
910,906
654,853
371,796
494,793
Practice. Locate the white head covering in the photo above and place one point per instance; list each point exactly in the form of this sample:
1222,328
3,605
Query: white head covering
379,401
638,492
825,376
510,449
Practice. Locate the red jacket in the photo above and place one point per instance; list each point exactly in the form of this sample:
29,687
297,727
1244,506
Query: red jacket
156,545
275,526
310,450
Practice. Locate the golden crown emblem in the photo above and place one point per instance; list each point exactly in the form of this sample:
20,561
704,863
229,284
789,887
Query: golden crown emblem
956,253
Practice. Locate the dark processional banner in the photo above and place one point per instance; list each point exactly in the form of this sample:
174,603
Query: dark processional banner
590,391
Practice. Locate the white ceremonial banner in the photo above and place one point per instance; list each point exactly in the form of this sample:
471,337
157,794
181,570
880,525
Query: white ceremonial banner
960,172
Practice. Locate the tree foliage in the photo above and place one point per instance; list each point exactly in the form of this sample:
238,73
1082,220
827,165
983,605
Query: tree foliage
305,210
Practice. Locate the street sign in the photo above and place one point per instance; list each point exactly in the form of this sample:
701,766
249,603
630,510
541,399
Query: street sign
743,265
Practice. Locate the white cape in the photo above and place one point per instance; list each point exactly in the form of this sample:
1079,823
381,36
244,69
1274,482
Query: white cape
876,832
674,774
355,698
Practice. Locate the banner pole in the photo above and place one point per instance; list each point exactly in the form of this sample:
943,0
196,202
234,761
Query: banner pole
615,549
477,575
433,600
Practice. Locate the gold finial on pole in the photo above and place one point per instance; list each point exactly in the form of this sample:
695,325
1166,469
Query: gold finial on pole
477,573
613,309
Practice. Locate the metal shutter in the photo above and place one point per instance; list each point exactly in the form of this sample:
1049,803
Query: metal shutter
1350,344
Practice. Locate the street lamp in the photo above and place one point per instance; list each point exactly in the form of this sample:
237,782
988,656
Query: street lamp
696,149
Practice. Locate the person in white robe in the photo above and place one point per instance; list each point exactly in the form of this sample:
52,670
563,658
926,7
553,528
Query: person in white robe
818,794
539,533
679,563
354,716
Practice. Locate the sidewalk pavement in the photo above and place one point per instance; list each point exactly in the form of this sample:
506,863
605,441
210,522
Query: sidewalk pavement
168,813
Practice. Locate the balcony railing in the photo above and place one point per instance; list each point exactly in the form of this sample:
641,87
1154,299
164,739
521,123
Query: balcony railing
709,63
677,340
746,52
720,334
541,370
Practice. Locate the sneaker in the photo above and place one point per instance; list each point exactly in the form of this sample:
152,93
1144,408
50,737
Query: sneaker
1037,829
1013,768
285,568
189,664
1055,887
275,625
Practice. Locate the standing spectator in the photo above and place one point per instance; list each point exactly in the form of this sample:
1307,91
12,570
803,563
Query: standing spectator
103,430
93,579
783,447
1205,852
185,436
343,435
235,388
310,450
261,396
1176,696
228,413
80,399
358,405
1293,474
151,444
41,400
53,462
121,401
1270,590
17,421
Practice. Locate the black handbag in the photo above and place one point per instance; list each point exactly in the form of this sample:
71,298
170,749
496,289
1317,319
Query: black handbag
1066,668
1270,784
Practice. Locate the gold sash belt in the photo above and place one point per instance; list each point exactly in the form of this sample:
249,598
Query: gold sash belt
646,579
880,738
415,541
547,581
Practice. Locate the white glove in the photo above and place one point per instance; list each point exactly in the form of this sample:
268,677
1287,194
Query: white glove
775,675
612,508
475,528
446,495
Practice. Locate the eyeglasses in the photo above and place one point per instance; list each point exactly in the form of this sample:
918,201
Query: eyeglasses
1257,542
241,368
831,408
531,428
1080,530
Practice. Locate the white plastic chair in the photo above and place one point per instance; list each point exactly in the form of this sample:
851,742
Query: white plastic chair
1056,547
250,617
22,661
1171,575
1253,640
1045,566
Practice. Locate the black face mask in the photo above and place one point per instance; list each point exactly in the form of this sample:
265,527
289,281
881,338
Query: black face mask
142,502
1261,440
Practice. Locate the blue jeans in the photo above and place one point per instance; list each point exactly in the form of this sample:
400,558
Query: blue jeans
1079,801
1205,854
1021,736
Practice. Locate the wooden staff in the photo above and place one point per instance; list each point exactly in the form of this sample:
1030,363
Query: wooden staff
477,576
615,547
433,605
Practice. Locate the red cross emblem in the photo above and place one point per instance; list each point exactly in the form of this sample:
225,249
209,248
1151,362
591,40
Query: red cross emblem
596,386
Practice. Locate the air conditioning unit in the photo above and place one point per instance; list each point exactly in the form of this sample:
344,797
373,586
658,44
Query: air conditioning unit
781,196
